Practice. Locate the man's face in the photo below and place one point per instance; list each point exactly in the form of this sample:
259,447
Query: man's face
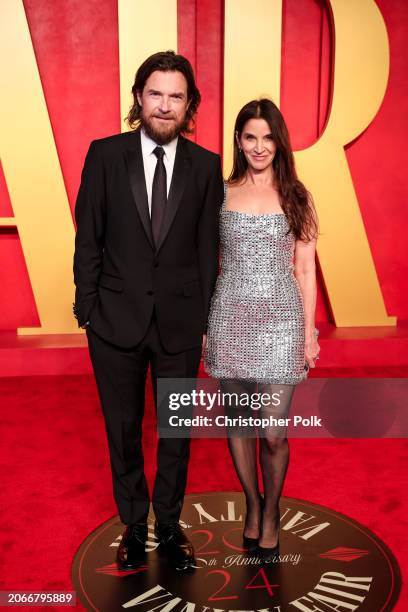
164,105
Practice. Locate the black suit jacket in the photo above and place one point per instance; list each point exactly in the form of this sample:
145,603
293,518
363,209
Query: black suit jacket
119,274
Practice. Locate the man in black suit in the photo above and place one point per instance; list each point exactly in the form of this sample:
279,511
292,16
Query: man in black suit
145,265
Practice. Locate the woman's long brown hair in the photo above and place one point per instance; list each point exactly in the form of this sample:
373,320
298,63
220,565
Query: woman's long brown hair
296,201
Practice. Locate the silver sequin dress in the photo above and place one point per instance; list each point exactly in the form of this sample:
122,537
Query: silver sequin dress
256,321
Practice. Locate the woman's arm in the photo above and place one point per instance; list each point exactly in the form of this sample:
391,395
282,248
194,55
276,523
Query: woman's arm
305,273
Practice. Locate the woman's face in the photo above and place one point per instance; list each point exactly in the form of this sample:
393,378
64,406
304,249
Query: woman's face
257,144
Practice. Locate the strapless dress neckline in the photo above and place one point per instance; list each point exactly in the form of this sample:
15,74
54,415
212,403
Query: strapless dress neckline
247,214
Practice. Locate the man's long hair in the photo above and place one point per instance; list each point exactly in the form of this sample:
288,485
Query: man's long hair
296,201
165,61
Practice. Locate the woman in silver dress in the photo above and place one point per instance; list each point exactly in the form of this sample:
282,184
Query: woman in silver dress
261,332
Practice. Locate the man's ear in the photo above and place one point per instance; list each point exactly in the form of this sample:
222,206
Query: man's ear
139,98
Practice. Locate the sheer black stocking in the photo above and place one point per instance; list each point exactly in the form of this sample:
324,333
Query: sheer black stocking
274,459
273,454
243,452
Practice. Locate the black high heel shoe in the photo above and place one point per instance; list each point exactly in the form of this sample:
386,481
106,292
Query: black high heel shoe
251,544
268,555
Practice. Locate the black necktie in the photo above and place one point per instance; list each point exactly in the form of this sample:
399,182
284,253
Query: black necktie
159,194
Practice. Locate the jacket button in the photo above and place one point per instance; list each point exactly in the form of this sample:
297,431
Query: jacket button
149,292
156,264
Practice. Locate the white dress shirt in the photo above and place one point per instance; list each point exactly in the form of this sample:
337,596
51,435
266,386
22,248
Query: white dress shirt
150,161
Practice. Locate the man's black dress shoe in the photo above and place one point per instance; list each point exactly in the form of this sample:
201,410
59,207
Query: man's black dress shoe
131,552
179,550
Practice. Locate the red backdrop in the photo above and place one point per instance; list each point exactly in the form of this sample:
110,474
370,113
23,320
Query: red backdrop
76,46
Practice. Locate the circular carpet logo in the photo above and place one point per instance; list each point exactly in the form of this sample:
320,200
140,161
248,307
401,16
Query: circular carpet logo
327,562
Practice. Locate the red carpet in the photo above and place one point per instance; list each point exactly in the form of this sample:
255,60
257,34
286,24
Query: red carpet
56,481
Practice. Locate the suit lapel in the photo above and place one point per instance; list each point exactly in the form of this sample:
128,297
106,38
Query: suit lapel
134,161
177,186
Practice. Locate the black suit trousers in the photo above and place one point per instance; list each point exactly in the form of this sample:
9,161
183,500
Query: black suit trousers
120,375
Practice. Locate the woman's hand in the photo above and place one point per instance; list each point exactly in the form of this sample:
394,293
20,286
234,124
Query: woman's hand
312,350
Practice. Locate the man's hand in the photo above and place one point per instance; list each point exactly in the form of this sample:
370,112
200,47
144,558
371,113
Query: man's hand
204,344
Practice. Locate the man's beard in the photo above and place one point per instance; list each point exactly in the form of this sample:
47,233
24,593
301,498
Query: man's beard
161,136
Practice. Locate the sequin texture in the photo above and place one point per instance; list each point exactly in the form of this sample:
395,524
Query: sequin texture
256,321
